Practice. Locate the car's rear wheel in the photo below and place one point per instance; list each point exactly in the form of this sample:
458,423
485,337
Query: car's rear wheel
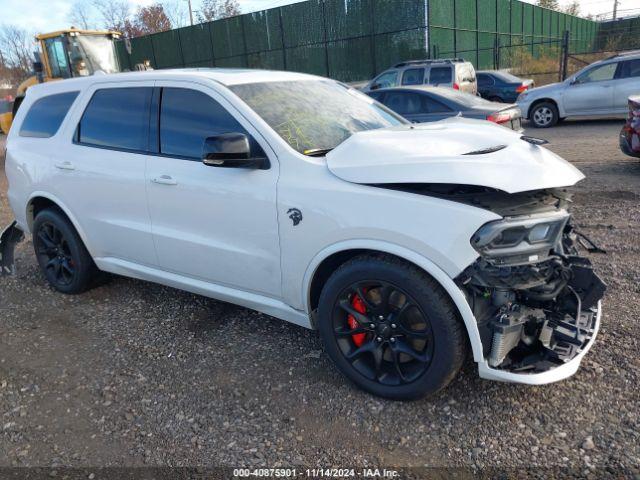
544,115
390,328
63,258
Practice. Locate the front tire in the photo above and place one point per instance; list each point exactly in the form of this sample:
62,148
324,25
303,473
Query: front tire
544,115
390,328
63,258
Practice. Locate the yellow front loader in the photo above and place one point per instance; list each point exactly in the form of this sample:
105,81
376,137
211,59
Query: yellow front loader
67,54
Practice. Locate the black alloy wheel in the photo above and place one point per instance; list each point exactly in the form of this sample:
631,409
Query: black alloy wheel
54,254
390,328
382,332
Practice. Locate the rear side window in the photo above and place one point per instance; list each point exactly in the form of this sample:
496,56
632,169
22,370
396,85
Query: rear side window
630,68
46,115
188,117
485,80
117,118
413,76
439,75
405,103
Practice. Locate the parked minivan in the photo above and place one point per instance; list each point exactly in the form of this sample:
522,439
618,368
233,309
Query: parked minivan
454,73
402,244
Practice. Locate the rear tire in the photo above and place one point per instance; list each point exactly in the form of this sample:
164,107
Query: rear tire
411,346
544,115
63,258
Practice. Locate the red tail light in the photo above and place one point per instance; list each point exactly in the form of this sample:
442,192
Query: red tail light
499,117
456,86
522,88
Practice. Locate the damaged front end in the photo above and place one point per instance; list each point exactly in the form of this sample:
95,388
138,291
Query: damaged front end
536,300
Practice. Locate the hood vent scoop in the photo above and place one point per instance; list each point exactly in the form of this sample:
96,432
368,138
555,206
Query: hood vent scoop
484,151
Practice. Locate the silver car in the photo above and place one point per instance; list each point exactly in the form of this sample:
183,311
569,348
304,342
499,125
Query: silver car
600,89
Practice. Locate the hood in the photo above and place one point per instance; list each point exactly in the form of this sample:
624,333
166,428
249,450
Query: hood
435,153
544,89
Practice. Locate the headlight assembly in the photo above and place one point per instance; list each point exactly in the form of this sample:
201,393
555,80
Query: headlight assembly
519,240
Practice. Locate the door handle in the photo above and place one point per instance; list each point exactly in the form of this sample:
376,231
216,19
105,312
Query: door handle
65,166
164,180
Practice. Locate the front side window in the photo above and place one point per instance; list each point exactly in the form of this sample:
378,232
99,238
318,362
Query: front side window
598,74
188,117
386,80
631,68
439,75
46,115
315,114
413,76
117,118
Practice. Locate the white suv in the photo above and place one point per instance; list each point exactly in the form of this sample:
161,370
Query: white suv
294,195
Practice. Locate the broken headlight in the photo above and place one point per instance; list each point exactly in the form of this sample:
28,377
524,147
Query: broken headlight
520,240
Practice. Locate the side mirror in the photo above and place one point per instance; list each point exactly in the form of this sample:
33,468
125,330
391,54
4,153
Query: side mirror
375,86
230,150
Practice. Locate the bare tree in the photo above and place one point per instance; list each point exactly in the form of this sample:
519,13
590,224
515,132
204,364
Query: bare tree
573,8
550,4
80,15
17,47
216,9
177,12
152,19
115,14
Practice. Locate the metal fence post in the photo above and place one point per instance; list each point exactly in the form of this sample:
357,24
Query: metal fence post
565,56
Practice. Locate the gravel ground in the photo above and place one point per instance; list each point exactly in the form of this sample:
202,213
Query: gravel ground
136,374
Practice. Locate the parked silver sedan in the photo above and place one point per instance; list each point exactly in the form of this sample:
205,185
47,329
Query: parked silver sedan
600,89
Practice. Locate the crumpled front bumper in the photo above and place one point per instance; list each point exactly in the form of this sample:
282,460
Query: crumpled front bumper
554,374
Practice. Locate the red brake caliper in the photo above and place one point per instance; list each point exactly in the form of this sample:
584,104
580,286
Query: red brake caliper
358,305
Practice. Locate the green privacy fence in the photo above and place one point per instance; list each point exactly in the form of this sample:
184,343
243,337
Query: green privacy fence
352,40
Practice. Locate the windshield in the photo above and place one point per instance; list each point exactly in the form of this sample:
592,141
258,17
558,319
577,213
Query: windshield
315,115
90,53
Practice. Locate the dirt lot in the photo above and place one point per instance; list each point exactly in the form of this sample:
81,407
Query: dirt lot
135,374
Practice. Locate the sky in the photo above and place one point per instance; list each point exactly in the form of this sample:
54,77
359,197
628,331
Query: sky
50,15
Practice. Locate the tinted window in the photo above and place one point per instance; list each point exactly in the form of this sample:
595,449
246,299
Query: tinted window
440,75
117,118
188,117
485,80
631,68
434,106
506,77
413,76
405,103
46,115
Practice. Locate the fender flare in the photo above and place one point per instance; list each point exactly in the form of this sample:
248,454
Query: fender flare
424,263
65,210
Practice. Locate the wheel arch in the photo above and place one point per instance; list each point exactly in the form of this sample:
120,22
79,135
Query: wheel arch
332,257
543,100
41,200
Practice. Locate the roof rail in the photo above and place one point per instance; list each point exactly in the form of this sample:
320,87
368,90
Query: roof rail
624,54
428,61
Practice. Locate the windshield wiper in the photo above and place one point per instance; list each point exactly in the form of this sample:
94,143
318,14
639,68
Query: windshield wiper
316,152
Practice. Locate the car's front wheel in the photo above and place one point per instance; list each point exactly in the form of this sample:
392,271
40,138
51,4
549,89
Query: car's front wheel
544,115
63,258
390,328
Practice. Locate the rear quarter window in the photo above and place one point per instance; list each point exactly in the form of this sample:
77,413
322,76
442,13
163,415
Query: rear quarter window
46,115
